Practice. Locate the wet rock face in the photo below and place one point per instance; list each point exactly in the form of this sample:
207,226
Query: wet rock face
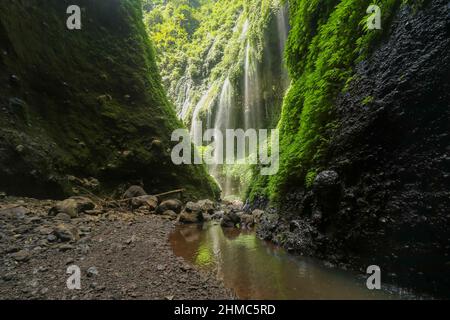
326,195
53,122
385,196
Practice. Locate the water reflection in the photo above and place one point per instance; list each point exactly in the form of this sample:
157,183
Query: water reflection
258,270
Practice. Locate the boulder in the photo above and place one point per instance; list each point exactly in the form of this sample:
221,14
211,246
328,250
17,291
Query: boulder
172,204
190,217
83,203
66,232
63,217
192,213
72,206
22,255
217,215
257,214
192,207
134,191
150,201
207,206
169,214
247,220
230,220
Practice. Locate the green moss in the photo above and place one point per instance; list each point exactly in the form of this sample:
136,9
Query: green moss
326,41
367,100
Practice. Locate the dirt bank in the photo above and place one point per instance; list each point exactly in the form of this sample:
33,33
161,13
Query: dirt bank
122,255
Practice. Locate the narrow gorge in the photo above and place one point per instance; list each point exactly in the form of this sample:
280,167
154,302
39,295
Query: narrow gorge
319,149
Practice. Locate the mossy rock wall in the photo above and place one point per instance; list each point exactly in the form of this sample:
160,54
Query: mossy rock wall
87,103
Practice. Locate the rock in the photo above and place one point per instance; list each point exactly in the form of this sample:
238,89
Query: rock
257,214
83,203
66,232
247,220
93,212
63,217
15,210
72,206
190,217
217,215
157,144
173,204
22,255
230,220
131,240
160,267
206,206
12,249
235,205
92,271
14,80
170,214
192,213
10,276
65,247
206,216
133,192
51,238
192,207
326,179
150,201
2,195
326,195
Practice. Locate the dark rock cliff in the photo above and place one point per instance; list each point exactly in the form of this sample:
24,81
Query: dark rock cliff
84,103
389,159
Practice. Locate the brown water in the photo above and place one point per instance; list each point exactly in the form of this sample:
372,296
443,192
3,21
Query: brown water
256,269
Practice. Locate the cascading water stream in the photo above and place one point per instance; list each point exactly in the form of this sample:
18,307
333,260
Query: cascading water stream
223,122
215,107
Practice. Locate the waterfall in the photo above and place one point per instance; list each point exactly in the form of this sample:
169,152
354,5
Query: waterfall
244,30
183,93
251,98
223,122
252,91
203,104
283,31
283,26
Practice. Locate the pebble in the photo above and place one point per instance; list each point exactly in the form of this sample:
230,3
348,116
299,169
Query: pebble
92,271
22,255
